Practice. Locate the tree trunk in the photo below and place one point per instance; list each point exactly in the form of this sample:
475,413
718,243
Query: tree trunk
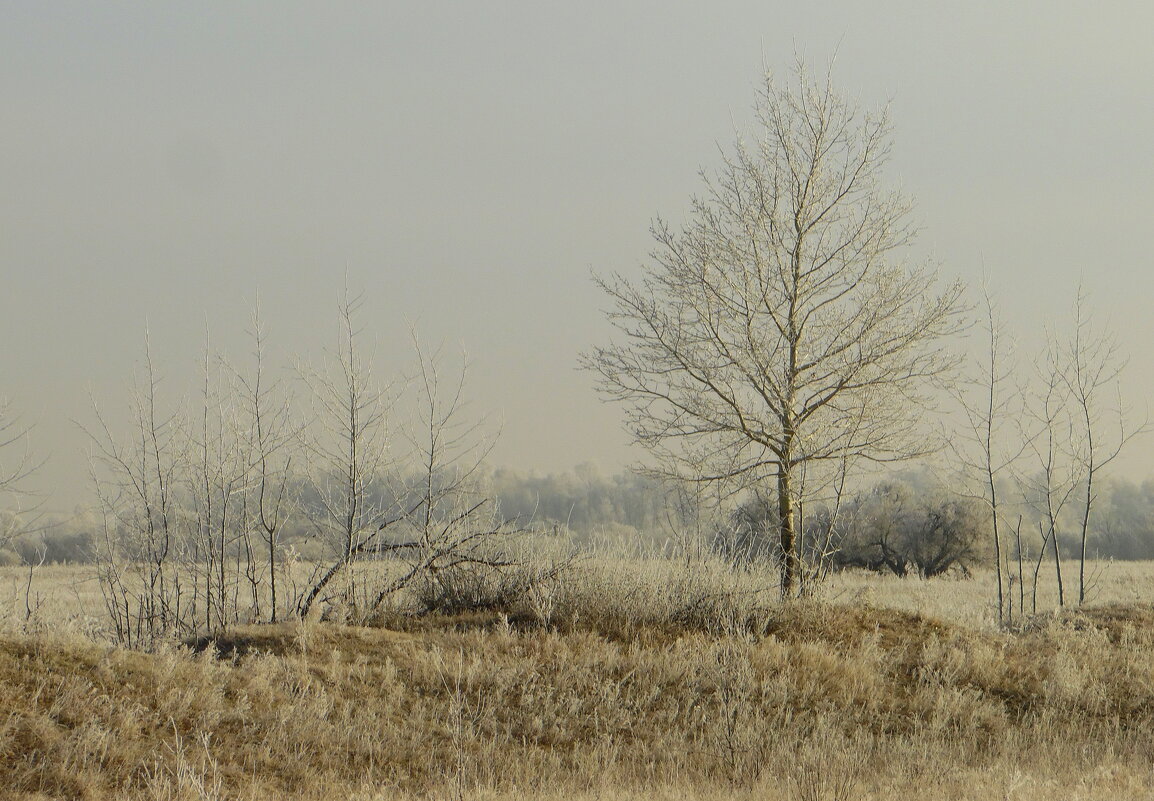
1021,570
1038,569
997,537
1086,514
789,560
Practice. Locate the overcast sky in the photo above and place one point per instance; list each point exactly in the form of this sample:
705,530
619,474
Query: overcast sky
468,164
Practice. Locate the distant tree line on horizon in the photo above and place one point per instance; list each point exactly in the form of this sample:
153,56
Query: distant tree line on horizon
906,524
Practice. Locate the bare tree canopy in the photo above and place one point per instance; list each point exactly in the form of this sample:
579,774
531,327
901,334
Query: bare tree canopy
780,328
17,515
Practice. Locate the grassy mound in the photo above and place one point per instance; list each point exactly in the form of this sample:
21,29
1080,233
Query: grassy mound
820,702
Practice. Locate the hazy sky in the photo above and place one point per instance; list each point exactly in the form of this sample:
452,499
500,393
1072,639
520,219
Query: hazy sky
468,164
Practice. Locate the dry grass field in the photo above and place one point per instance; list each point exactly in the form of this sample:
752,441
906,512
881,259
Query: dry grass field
638,679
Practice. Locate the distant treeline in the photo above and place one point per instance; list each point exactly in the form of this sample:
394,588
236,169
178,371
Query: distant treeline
582,502
588,505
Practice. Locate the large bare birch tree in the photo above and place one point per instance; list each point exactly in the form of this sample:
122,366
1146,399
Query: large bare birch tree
780,329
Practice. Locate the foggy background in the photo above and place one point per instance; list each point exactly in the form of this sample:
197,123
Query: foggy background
466,165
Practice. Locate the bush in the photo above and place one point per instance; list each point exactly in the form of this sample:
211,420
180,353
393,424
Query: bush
897,529
894,527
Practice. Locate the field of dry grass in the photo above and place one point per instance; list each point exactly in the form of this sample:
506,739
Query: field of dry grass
642,679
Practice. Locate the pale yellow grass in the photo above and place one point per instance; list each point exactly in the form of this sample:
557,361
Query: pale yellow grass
973,601
625,678
70,597
834,703
51,596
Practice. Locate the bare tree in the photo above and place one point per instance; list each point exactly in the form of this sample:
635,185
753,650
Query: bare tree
1078,428
1092,366
215,491
450,536
990,403
141,551
16,466
781,315
269,439
349,450
1051,480
13,436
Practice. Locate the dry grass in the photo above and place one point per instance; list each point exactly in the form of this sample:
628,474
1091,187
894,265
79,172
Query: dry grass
972,602
53,597
646,679
656,589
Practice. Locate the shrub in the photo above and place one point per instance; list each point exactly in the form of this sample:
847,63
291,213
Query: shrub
897,529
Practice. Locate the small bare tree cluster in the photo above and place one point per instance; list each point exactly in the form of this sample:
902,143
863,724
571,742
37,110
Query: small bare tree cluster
141,549
198,502
1080,427
1051,435
452,533
434,522
190,500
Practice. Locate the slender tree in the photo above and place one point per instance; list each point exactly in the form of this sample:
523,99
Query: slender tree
449,535
269,438
1050,481
1092,367
216,485
350,456
13,438
984,449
